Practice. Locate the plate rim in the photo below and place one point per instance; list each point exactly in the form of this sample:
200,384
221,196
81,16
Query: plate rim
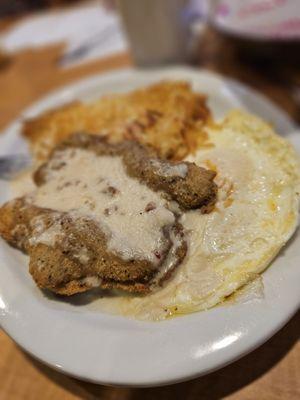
236,352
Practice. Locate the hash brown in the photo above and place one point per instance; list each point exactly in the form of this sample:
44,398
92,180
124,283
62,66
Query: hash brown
168,116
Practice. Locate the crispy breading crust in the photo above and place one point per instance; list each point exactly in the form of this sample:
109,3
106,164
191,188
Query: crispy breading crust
169,116
58,268
194,190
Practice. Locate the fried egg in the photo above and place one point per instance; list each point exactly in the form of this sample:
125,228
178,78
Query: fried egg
255,215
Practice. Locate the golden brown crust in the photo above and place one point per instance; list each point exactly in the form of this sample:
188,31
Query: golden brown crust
169,116
59,267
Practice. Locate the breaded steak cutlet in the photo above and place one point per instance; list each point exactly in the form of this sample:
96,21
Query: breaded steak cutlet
169,116
112,223
186,183
78,258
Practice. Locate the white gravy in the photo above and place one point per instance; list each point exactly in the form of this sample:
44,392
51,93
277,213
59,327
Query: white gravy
130,213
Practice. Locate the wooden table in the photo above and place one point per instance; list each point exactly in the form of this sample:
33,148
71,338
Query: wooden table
269,373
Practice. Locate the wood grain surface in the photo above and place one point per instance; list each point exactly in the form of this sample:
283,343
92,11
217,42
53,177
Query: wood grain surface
271,372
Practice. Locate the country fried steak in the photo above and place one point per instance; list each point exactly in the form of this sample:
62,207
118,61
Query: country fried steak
68,253
186,183
106,215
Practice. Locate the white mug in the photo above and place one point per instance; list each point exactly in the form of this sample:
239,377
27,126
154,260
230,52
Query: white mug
157,30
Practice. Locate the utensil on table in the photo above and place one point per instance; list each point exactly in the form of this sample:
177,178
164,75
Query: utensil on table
11,165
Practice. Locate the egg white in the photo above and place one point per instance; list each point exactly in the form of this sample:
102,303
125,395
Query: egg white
255,215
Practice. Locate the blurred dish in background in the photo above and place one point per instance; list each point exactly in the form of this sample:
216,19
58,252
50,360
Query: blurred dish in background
258,19
91,27
263,35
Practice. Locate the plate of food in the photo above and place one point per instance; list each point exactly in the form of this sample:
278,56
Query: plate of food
154,238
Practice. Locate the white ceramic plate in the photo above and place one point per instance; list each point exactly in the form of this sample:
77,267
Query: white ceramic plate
115,350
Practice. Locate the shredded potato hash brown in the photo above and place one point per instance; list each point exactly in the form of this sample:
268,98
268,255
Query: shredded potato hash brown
168,116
